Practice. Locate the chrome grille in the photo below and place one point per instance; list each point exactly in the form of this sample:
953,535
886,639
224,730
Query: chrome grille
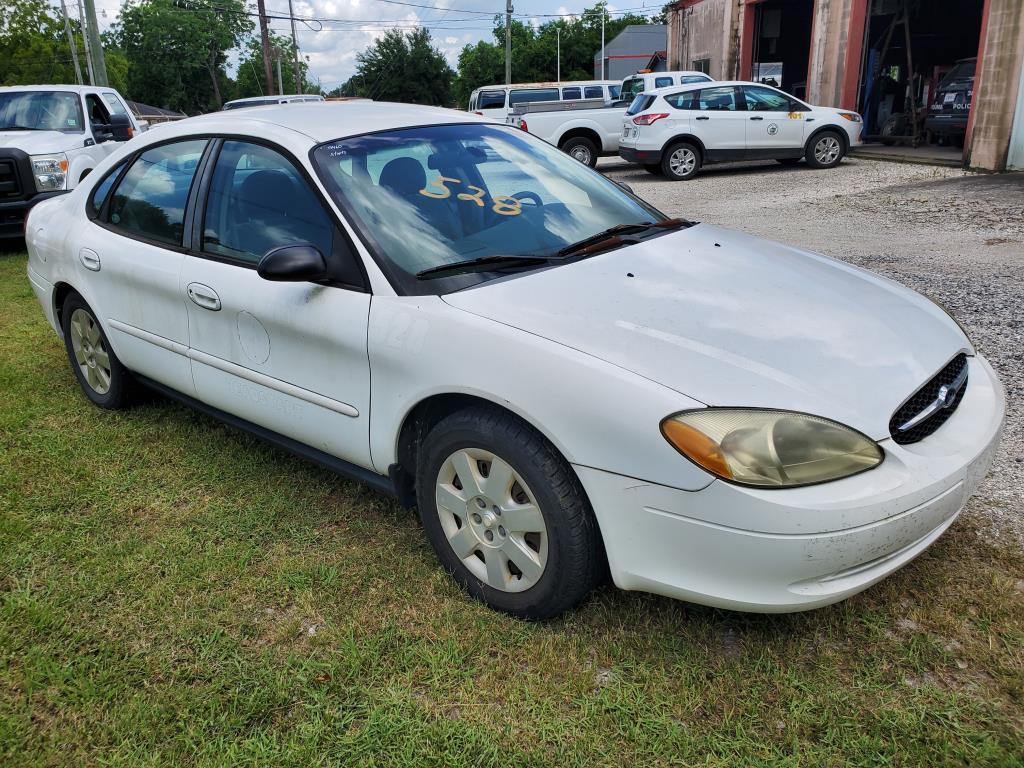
932,405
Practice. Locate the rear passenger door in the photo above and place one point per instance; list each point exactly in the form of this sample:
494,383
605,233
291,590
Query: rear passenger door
288,356
775,124
720,122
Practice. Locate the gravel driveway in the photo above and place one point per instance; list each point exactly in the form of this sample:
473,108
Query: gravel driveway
957,236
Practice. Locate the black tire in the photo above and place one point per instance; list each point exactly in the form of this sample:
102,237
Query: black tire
575,559
121,389
830,158
688,150
654,168
788,160
582,149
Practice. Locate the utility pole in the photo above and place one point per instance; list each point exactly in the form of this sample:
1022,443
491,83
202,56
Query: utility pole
295,44
268,73
99,66
603,16
71,42
508,41
85,43
280,81
558,55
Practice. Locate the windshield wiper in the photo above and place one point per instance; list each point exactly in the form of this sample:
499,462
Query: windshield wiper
612,236
20,128
481,264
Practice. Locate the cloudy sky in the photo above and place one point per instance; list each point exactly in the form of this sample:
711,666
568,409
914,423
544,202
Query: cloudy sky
349,26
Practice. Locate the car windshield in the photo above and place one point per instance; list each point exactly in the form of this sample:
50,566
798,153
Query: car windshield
961,76
431,196
40,111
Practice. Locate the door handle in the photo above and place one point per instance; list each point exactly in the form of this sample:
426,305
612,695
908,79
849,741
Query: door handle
810,119
757,118
204,296
90,259
703,117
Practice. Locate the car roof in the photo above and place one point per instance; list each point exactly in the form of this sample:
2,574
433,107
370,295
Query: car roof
50,87
670,72
325,120
707,84
550,84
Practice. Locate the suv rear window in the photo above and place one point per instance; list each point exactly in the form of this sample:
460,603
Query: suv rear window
640,103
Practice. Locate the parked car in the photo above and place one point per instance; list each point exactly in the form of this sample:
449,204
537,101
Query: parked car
498,100
265,101
675,131
946,120
52,137
583,130
563,380
646,80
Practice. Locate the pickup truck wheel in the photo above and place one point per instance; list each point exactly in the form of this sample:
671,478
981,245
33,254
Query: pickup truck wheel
825,150
582,149
681,161
654,168
506,514
102,377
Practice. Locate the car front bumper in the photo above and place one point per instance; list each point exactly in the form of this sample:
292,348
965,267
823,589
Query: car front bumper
13,214
777,551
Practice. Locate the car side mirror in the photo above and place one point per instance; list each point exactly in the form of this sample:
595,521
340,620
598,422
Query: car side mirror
626,187
293,264
120,127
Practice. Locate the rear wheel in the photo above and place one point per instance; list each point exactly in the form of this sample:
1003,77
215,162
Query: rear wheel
825,150
681,161
506,514
582,149
100,374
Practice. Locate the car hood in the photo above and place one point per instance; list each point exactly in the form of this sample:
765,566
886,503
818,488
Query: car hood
40,142
733,320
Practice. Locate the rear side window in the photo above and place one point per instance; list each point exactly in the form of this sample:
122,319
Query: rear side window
662,82
640,103
524,95
102,190
685,100
149,201
258,201
717,99
593,92
572,93
491,99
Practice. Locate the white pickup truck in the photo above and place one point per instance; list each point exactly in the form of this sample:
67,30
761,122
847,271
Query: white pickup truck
583,129
51,137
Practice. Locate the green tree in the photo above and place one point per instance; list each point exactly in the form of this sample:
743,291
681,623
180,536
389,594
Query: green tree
402,67
249,81
34,46
177,49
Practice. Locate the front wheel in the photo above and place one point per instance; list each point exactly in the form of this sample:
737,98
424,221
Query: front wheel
506,514
582,149
825,150
680,162
100,374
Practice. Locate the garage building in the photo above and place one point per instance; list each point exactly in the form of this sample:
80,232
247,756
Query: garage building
884,58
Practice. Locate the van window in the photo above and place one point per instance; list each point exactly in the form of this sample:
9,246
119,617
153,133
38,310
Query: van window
524,95
593,92
491,100
662,82
687,79
614,90
572,93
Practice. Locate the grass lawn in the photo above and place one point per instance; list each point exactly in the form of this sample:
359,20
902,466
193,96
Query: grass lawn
175,593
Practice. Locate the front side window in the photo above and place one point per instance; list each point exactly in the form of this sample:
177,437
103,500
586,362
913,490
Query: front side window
257,202
150,199
525,95
491,100
452,193
572,93
114,104
717,99
766,100
41,111
594,92
662,82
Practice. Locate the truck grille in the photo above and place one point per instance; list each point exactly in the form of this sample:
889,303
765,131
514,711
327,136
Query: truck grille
932,405
9,186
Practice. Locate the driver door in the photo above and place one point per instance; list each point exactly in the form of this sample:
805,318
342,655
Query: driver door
288,356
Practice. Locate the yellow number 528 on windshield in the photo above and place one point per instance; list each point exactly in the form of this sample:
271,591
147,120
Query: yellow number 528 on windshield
500,204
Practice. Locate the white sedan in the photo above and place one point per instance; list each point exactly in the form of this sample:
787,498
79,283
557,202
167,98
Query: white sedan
564,381
676,131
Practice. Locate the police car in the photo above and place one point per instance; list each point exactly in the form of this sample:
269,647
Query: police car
675,131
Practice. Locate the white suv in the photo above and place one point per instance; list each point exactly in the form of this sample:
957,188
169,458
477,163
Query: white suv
674,131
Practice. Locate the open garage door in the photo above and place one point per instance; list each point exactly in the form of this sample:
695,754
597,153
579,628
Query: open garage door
782,44
918,71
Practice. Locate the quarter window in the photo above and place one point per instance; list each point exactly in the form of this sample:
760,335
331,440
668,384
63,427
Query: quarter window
593,92
150,199
571,93
765,100
717,99
257,202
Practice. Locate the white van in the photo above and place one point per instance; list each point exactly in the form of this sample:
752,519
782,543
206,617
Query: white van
263,101
497,100
645,80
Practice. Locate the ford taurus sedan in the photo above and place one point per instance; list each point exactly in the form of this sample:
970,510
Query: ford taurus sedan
563,381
